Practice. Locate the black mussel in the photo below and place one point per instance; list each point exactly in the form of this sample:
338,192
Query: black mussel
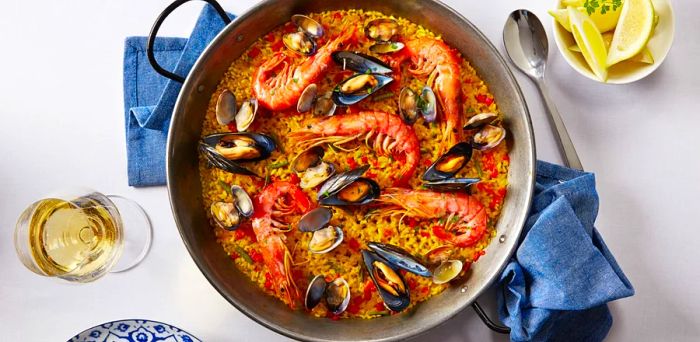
387,47
311,167
488,137
446,271
382,29
315,292
300,42
400,258
225,215
408,105
324,105
242,201
307,98
226,107
358,87
308,25
325,239
315,219
360,62
358,192
388,281
246,115
427,103
449,163
339,181
218,161
241,146
337,296
452,184
480,120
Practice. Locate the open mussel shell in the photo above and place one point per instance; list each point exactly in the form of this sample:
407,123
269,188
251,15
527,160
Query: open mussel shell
324,105
439,254
358,192
307,159
307,98
360,62
386,47
400,258
337,296
315,219
388,281
382,29
480,120
242,146
446,271
427,104
315,292
217,160
325,239
246,114
308,25
339,181
242,201
451,184
408,105
488,137
313,170
449,163
300,42
225,215
226,107
358,87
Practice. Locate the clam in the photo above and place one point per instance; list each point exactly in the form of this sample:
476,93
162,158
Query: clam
226,107
315,219
438,254
308,25
225,215
241,146
348,188
337,296
446,271
360,62
325,239
488,137
427,104
242,201
382,29
300,42
388,281
386,47
358,87
452,184
324,105
246,114
315,292
307,98
449,163
313,170
400,258
408,105
480,120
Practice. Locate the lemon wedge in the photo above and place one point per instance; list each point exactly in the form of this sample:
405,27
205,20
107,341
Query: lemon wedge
604,22
591,42
643,57
633,30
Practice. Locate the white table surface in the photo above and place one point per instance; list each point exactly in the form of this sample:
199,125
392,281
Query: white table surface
61,124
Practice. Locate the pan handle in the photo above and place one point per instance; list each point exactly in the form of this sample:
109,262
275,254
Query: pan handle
156,27
489,323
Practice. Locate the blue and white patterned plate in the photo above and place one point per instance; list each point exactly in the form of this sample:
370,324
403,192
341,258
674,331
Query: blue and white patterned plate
134,330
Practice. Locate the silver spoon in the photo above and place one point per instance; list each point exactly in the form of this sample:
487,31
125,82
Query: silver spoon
527,47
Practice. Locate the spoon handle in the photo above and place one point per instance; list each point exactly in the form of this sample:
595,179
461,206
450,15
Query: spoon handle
559,129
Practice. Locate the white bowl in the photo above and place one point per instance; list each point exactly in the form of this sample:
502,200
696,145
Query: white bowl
625,71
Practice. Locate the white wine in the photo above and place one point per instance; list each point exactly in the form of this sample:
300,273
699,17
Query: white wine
77,240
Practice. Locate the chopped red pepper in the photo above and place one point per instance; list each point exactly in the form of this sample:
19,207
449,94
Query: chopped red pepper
364,159
351,162
254,52
353,244
277,46
255,255
293,178
424,234
234,256
379,306
369,288
268,282
481,98
412,283
427,162
232,126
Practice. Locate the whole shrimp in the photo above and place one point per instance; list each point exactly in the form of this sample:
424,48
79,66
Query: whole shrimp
465,216
435,59
277,85
385,133
272,204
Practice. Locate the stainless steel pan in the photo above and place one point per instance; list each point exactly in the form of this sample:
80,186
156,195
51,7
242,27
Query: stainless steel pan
185,189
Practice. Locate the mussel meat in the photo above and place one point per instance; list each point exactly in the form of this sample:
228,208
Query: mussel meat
488,137
337,296
225,215
300,42
400,258
217,160
480,120
360,62
452,184
226,107
315,292
242,201
307,98
386,47
308,25
325,239
348,188
427,104
241,146
408,105
315,219
382,29
446,271
449,163
358,87
388,281
438,254
313,170
246,114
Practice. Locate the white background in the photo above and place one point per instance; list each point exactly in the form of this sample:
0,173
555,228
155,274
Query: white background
61,123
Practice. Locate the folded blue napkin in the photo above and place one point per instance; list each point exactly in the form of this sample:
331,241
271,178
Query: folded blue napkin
562,275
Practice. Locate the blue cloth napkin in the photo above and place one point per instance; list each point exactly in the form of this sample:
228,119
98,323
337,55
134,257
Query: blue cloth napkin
149,98
562,275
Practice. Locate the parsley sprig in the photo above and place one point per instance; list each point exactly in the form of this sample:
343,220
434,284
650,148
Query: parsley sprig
604,5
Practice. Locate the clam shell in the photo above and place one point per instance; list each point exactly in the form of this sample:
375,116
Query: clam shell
226,107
